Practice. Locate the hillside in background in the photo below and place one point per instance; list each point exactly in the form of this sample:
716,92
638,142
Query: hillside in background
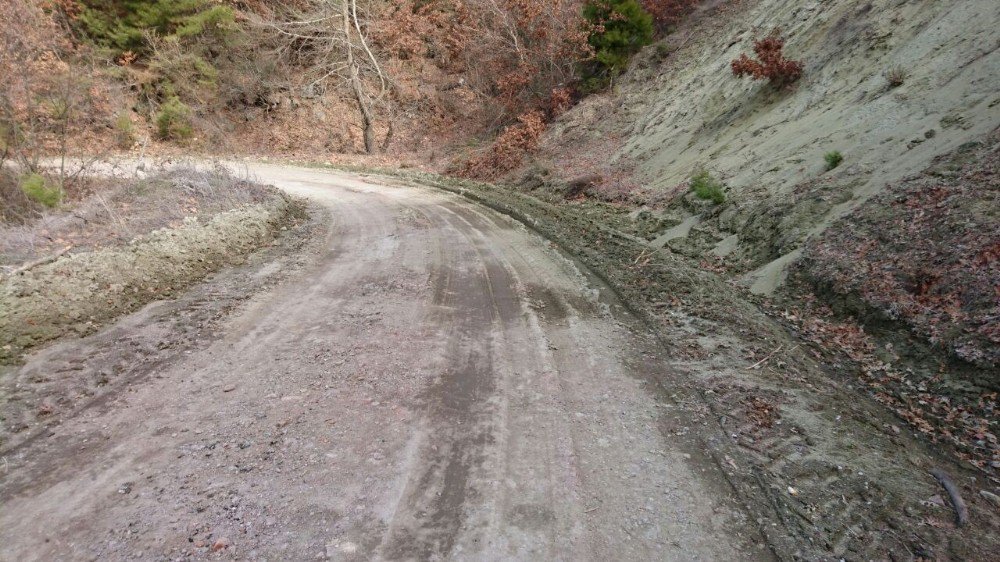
307,78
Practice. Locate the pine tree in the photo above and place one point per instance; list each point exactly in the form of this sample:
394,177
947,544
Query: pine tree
123,24
620,29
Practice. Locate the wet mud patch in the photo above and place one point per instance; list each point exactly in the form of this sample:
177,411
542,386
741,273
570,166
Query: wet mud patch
530,516
472,304
556,306
412,218
546,303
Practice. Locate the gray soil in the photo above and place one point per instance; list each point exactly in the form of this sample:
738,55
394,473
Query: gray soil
428,380
77,294
816,458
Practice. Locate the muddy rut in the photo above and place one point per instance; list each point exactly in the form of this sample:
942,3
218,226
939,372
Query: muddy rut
434,383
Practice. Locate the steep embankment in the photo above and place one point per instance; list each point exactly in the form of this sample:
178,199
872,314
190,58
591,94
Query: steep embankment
682,109
826,473
902,235
892,86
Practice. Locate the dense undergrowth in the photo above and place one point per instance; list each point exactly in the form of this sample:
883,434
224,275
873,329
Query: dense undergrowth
102,75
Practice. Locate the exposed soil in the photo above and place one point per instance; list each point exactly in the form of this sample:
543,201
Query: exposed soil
437,381
943,289
920,320
71,376
679,109
434,381
79,293
825,467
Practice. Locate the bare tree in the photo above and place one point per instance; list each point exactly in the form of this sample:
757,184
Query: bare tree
46,94
327,38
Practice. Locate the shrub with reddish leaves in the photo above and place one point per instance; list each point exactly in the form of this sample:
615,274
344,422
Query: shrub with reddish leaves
668,13
508,149
560,100
771,63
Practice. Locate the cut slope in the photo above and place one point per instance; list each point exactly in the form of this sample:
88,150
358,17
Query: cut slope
683,109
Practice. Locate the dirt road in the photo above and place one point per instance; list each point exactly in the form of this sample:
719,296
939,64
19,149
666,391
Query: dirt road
433,382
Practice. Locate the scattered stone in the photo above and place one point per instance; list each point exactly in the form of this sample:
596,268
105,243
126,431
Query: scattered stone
991,497
221,544
229,388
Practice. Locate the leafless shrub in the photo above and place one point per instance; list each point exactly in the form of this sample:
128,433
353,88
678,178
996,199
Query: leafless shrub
895,76
329,42
48,96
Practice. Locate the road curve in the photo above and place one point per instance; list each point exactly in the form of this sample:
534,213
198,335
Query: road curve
437,383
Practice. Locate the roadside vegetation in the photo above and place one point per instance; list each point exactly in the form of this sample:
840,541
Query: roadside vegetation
197,73
113,211
705,186
833,159
770,64
73,268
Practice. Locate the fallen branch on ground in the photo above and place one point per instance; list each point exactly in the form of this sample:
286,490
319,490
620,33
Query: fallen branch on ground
961,511
769,356
41,261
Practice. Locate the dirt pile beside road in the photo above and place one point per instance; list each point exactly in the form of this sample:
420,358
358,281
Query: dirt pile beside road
108,204
78,293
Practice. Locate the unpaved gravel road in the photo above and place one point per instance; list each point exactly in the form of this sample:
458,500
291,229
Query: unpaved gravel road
436,382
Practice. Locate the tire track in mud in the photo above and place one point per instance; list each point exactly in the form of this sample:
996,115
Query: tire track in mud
551,510
547,509
475,304
432,386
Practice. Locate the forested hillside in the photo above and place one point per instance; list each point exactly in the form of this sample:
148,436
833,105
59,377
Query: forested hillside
309,77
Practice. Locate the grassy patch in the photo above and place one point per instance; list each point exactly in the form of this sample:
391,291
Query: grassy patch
124,131
705,186
173,122
36,188
833,159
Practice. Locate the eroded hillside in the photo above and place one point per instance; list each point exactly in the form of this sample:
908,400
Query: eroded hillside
680,109
887,86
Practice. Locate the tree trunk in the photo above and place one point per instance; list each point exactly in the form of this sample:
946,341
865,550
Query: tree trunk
367,119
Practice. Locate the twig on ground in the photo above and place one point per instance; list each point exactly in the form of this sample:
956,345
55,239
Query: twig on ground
764,360
770,355
41,261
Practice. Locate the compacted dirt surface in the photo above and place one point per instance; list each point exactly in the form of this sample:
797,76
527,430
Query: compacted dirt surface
427,379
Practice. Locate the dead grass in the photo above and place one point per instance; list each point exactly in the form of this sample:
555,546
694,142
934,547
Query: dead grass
108,212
